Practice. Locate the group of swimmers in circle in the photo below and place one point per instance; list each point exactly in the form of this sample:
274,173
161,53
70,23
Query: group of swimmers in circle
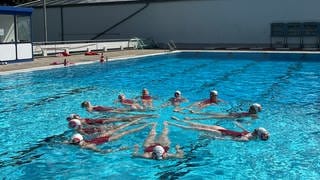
90,132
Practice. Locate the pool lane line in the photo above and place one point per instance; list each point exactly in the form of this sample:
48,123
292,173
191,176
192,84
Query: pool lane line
226,76
11,87
273,88
172,75
49,99
283,79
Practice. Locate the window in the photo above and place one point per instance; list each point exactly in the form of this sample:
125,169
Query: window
7,34
23,29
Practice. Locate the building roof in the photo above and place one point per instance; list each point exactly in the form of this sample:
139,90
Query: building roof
15,10
49,3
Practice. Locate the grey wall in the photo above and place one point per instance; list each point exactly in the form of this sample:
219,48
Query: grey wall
199,21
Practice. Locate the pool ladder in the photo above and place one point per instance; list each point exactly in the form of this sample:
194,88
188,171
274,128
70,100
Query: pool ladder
172,46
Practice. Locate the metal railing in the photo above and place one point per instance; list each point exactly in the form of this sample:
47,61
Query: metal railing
172,46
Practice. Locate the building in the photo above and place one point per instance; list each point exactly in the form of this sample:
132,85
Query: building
15,34
189,23
13,2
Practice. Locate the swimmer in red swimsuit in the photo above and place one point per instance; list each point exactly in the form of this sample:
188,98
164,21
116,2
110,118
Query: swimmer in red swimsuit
176,100
158,149
89,129
222,133
129,102
213,100
108,136
253,111
146,99
89,107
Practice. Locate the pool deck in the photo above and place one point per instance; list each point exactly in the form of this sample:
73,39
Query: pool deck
44,62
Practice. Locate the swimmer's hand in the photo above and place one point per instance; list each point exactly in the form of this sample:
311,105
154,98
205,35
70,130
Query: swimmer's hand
136,148
122,148
193,111
177,147
179,151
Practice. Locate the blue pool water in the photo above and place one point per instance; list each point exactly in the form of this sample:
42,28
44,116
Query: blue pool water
34,105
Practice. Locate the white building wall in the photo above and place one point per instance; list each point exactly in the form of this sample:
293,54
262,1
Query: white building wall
198,21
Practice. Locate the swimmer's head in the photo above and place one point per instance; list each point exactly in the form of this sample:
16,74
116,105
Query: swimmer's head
145,91
213,93
158,152
255,108
85,104
76,138
177,93
73,116
121,96
74,123
262,133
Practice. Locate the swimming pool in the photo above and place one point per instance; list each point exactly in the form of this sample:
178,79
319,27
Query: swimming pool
34,105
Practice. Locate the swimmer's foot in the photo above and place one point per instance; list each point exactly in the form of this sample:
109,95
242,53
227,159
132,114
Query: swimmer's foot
165,123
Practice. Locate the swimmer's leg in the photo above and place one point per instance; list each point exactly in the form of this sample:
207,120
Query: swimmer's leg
200,125
150,140
206,129
122,126
118,136
164,139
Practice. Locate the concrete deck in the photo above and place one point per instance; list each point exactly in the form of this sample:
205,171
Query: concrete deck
44,62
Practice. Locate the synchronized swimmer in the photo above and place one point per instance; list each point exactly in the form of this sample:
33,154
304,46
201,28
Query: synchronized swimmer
91,132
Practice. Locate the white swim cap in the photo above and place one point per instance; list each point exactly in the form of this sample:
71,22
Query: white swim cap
74,123
158,151
178,92
214,92
257,107
73,116
262,131
77,138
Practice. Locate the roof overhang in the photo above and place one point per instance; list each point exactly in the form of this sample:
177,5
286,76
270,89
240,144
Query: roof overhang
15,10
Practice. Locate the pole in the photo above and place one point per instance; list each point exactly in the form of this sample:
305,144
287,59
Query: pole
45,21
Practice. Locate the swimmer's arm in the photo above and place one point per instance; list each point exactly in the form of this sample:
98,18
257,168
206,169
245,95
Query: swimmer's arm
222,101
240,126
169,102
136,150
114,150
243,139
185,100
202,105
92,147
179,153
254,116
136,154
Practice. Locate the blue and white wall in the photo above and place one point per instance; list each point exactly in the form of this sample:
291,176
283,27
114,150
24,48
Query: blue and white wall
15,34
200,21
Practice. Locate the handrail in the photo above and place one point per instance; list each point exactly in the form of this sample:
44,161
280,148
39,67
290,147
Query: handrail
120,22
79,41
172,45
